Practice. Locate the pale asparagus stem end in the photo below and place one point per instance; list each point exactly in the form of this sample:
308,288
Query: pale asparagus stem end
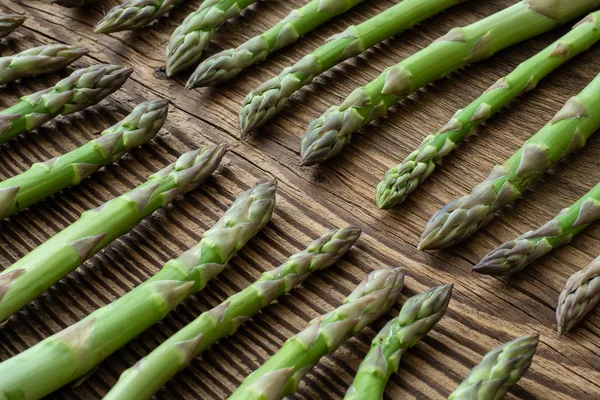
579,296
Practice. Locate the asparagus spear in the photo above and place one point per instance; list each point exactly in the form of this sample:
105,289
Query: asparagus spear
268,99
279,376
566,132
404,178
83,88
580,295
38,61
134,14
46,178
229,63
95,229
149,374
189,39
327,135
417,317
75,351
500,369
511,257
10,22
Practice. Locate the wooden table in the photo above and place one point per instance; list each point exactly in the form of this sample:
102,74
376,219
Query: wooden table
483,313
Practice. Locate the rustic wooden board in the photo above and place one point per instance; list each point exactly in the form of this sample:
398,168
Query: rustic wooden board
484,311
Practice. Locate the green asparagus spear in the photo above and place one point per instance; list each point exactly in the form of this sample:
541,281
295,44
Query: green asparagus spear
38,61
279,376
566,132
10,22
46,178
269,98
580,295
191,37
404,178
417,317
513,256
74,352
134,14
83,88
149,374
229,63
95,229
327,135
500,369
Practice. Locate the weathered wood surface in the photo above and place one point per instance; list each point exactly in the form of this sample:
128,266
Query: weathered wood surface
484,311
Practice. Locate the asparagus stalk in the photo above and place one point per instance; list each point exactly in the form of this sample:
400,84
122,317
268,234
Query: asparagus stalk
279,376
580,295
83,88
511,257
566,132
38,61
74,352
10,22
269,98
191,37
404,178
46,178
229,63
417,317
327,135
95,229
500,369
134,14
149,374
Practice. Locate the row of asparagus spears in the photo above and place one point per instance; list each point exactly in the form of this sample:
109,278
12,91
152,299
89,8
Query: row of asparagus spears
280,375
327,135
74,352
78,349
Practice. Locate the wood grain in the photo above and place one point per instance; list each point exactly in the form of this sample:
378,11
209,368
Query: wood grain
483,313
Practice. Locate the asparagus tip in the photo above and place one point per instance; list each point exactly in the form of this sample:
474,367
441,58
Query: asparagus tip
306,161
80,51
244,132
169,70
383,202
17,18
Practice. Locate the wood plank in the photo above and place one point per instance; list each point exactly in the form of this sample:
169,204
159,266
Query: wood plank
484,312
